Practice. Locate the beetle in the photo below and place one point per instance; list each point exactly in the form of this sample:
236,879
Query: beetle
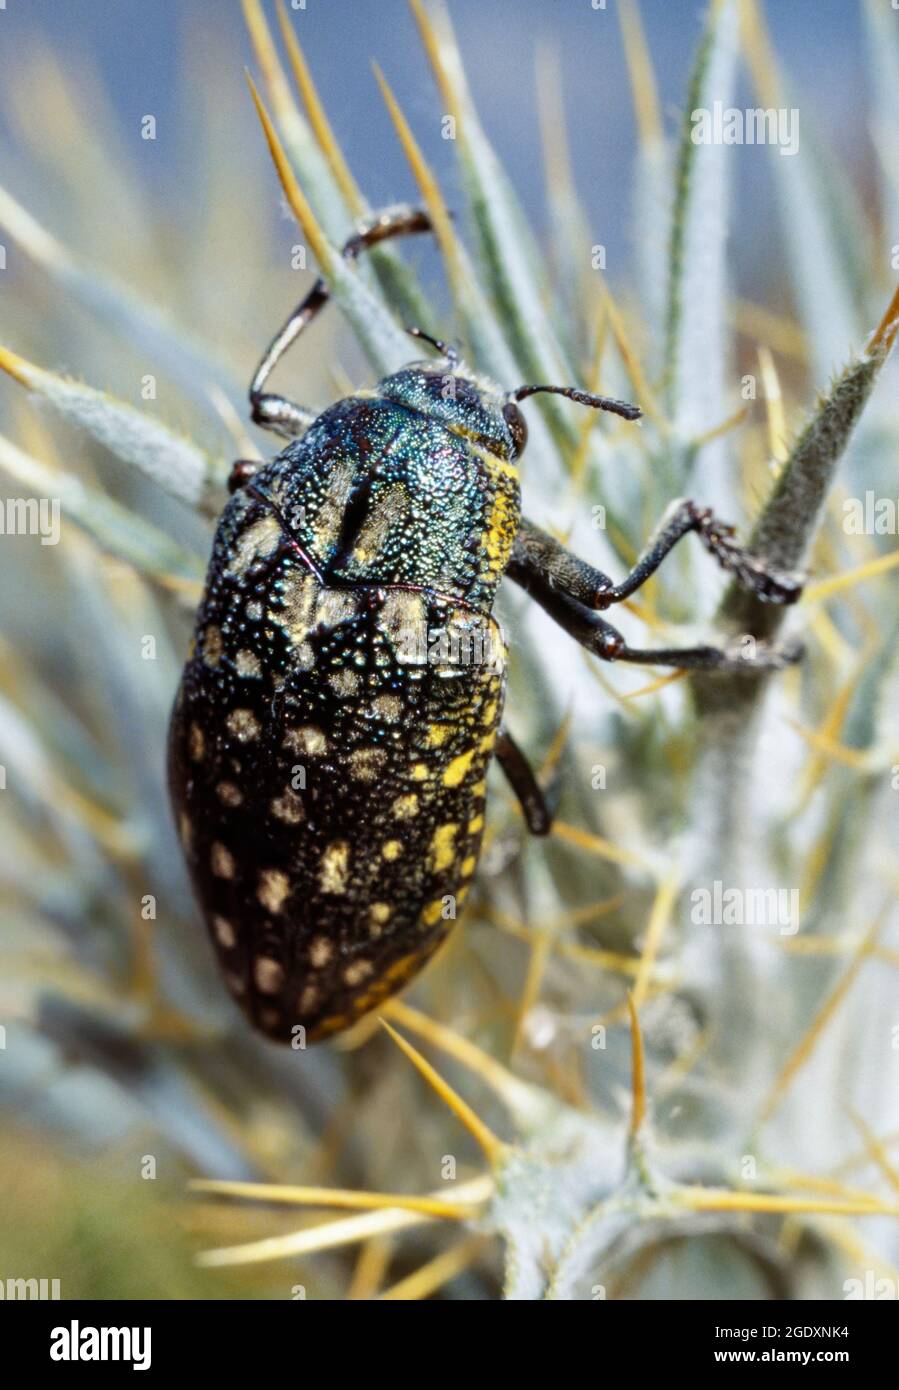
343,695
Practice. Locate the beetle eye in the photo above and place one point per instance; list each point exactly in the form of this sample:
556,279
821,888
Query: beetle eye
517,428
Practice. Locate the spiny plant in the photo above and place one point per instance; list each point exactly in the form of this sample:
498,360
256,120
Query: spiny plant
669,1099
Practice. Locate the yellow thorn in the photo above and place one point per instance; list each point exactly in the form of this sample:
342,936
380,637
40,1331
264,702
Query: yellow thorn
759,54
267,55
826,588
639,66
884,336
372,1264
774,405
665,897
653,686
813,1182
301,209
712,1199
493,1147
807,1043
553,130
500,1080
638,1070
754,321
557,746
876,1150
540,942
571,950
437,1272
426,180
334,1197
438,58
632,364
595,844
17,367
327,140
732,422
332,1234
857,758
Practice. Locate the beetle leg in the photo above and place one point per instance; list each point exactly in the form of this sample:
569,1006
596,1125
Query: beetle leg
751,571
595,589
277,413
521,778
539,560
553,588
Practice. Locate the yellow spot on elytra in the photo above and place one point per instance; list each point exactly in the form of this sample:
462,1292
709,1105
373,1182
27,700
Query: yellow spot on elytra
274,885
379,914
475,824
345,682
479,789
306,739
420,772
405,807
502,523
404,619
298,594
196,743
334,868
320,952
224,932
387,708
212,645
357,971
443,849
463,893
468,866
489,712
222,861
258,541
335,606
437,735
366,763
243,724
432,912
288,807
308,999
247,663
487,742
392,849
229,794
458,768
268,974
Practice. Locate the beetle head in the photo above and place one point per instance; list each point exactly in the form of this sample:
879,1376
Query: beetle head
446,390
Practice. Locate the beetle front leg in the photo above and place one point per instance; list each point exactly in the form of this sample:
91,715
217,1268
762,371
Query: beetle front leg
570,591
683,516
277,413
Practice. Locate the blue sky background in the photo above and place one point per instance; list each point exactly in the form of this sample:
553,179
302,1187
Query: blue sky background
139,48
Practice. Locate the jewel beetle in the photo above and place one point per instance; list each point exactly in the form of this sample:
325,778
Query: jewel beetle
343,695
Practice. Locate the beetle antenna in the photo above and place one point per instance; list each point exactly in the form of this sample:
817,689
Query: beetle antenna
623,408
445,349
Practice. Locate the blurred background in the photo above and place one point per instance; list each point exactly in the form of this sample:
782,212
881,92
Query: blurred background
155,270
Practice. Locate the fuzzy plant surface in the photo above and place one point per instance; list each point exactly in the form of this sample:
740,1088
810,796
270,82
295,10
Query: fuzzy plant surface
659,1054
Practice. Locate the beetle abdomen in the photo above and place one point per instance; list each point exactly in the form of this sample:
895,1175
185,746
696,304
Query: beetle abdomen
327,758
